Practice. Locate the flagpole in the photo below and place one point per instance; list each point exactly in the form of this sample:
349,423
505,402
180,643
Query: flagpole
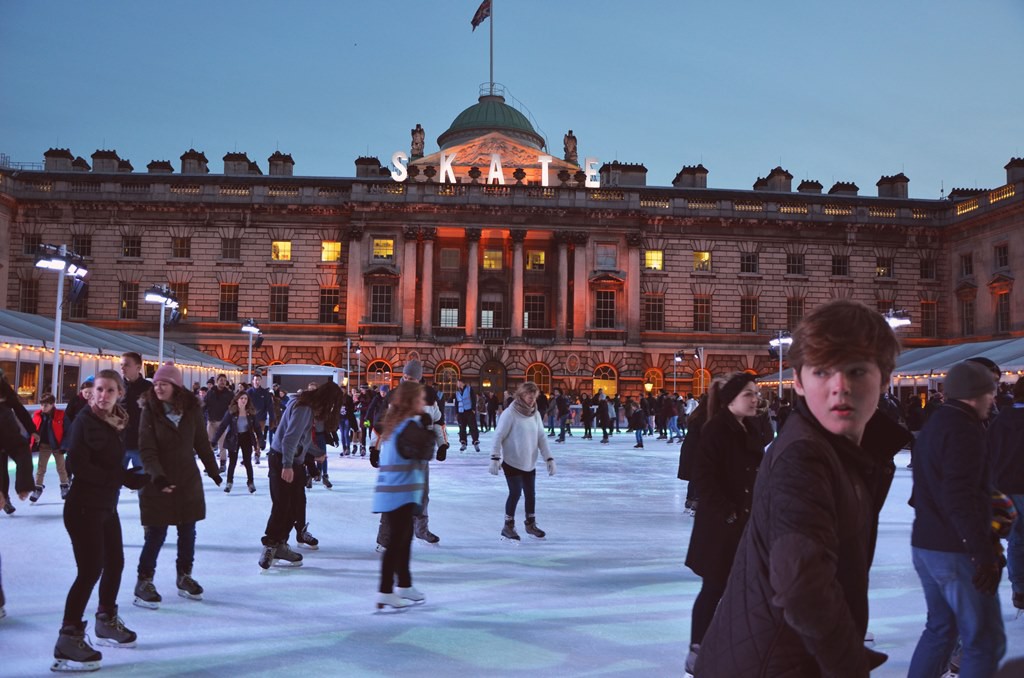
492,47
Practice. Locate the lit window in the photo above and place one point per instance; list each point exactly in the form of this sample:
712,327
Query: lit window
448,308
607,257
492,260
491,311
654,260
883,267
383,249
330,250
281,250
702,261
450,259
605,379
540,374
535,260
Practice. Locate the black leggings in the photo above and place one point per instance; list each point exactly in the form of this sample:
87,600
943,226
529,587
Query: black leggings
396,559
245,441
520,483
99,553
288,501
711,591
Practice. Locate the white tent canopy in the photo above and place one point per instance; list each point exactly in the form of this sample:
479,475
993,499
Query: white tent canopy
26,350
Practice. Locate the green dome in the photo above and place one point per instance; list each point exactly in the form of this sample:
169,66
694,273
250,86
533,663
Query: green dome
490,114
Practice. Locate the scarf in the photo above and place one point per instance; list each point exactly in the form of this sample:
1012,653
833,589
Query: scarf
522,408
117,419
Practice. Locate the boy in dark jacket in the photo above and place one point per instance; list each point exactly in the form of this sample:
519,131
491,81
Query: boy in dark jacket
797,598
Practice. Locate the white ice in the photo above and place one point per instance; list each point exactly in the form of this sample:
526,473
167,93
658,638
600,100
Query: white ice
605,594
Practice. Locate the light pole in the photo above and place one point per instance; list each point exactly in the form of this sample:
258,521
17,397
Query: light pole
161,294
699,355
778,346
348,362
676,359
358,378
54,258
252,329
896,318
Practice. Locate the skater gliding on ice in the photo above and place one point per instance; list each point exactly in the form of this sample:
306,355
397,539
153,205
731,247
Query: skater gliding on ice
517,441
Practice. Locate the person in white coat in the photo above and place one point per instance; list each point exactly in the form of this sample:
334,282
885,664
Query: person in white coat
518,440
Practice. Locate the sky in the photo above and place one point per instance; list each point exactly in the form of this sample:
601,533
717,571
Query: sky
829,91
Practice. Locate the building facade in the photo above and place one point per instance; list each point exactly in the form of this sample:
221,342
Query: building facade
496,277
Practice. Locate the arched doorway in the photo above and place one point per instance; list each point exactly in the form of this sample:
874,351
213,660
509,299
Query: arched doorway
378,373
445,375
606,378
540,374
492,377
654,377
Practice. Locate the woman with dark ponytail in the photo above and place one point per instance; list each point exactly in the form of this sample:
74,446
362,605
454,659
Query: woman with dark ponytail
724,469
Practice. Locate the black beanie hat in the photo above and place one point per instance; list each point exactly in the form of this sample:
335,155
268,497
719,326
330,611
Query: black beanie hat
732,388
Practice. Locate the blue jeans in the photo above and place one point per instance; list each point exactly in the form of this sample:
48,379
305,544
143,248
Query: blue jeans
154,540
673,427
956,607
563,425
133,457
639,436
1015,547
520,484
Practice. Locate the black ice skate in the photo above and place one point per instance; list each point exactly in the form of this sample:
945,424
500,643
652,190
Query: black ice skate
533,530
304,539
36,493
252,488
267,557
285,557
146,594
72,653
508,533
64,489
327,482
1018,602
189,587
111,631
227,486
421,531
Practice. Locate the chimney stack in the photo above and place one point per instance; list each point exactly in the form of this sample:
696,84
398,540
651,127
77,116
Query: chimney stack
809,186
843,188
1014,170
105,161
617,173
160,167
58,160
280,164
367,167
194,162
237,164
691,177
80,165
780,181
893,187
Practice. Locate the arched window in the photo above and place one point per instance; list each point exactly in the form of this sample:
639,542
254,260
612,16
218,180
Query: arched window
328,364
606,378
276,362
540,374
701,382
378,373
445,375
654,377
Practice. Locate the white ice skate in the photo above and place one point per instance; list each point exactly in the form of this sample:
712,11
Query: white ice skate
388,603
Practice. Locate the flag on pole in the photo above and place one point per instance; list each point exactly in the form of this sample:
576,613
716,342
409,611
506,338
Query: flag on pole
482,12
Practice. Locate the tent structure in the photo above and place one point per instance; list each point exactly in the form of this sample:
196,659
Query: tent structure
920,366
26,353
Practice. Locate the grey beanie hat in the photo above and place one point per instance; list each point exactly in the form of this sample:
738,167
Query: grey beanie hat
413,371
969,380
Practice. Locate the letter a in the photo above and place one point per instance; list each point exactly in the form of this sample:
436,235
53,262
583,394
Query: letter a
495,171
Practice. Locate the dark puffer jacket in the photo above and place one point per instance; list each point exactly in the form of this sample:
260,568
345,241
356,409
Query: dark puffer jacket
1006,445
725,470
95,455
797,600
168,456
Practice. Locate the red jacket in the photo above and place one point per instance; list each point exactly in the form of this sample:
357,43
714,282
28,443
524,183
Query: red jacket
58,423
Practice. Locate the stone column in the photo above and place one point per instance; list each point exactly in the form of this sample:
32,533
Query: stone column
355,305
427,297
581,292
408,280
633,242
562,286
518,236
472,281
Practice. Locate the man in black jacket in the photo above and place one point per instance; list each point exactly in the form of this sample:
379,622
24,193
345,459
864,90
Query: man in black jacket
14,446
954,549
215,406
263,400
796,603
135,385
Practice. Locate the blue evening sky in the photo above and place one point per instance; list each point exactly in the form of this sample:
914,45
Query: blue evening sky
834,91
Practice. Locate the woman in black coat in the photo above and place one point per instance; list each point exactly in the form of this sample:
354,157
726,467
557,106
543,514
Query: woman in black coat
587,416
243,431
725,467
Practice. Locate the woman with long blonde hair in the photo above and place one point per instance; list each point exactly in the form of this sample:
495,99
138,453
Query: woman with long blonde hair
406,445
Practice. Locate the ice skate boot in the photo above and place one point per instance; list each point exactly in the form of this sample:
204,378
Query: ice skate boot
533,530
691,658
111,631
227,486
36,493
189,587
462,448
327,482
304,539
476,446
508,532
146,594
64,489
267,557
309,482
252,488
421,530
285,557
223,466
392,602
72,653
411,594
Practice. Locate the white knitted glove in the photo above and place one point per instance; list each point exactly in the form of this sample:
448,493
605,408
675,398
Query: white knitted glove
495,466
551,466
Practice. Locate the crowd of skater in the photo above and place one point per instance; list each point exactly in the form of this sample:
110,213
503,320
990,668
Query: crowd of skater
785,497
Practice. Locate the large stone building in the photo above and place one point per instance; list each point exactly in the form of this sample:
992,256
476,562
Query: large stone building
564,284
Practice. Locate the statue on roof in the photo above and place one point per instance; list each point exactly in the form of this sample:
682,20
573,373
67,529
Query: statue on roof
416,151
569,143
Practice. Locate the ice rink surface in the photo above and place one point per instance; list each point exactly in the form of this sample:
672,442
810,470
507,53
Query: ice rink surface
606,594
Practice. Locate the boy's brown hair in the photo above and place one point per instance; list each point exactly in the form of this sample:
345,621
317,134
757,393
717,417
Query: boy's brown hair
843,331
